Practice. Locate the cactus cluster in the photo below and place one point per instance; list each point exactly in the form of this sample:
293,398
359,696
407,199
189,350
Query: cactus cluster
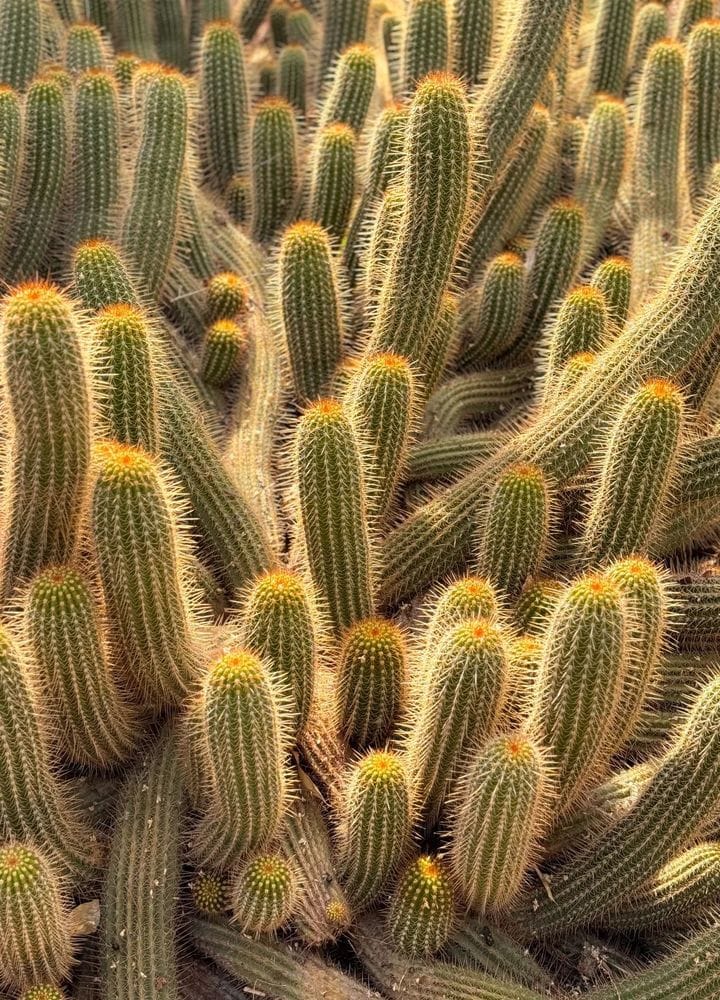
360,535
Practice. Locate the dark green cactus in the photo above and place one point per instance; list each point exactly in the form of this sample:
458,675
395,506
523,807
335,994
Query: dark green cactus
420,913
372,676
427,42
274,167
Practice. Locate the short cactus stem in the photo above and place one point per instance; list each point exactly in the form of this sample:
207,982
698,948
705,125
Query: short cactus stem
636,473
611,47
535,603
492,310
67,636
264,893
372,676
581,326
577,366
465,680
226,297
210,894
353,82
223,349
651,24
582,675
375,825
45,374
381,399
140,558
293,77
702,108
613,278
311,307
332,512
421,909
225,102
279,622
243,743
84,48
689,13
332,185
517,530
474,22
500,811
427,42
274,160
465,598
35,942
43,991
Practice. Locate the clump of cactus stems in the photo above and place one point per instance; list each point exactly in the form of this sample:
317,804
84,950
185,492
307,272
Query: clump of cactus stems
360,490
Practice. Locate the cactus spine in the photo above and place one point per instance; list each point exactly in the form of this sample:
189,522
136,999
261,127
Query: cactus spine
96,169
493,310
344,25
351,90
332,185
611,46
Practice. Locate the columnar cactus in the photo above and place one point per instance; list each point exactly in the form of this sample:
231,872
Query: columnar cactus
702,108
427,45
493,311
21,28
474,25
225,102
353,82
420,913
274,167
264,893
372,676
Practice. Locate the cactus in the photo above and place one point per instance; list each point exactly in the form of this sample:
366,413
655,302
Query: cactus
344,25
702,108
21,49
444,457
84,48
332,185
518,527
263,893
611,47
210,894
473,395
613,278
66,634
45,374
689,13
375,824
140,557
600,168
464,686
332,508
223,348
580,327
427,43
96,169
474,24
135,28
293,77
500,812
243,740
371,681
651,24
353,82
636,473
9,156
493,311
420,912
274,167
36,944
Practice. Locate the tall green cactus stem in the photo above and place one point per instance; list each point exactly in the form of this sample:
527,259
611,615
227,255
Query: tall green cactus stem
226,297
225,103
351,90
427,40
151,223
691,970
516,536
473,26
464,685
390,31
611,46
689,13
600,169
381,401
43,175
382,236
310,307
515,81
300,27
134,26
474,944
33,805
332,512
465,598
375,824
660,341
278,24
492,310
581,678
372,675
558,255
644,590
383,167
124,361
636,474
658,134
500,810
264,893
513,192
702,108
171,32
613,277
223,348
141,561
293,77
252,17
279,623
66,633
84,48
47,392
9,158
581,326
243,739
344,24
443,458
651,24
35,943
420,912
95,176
436,187
274,158
22,42
332,182
142,885
473,395
682,797
677,891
